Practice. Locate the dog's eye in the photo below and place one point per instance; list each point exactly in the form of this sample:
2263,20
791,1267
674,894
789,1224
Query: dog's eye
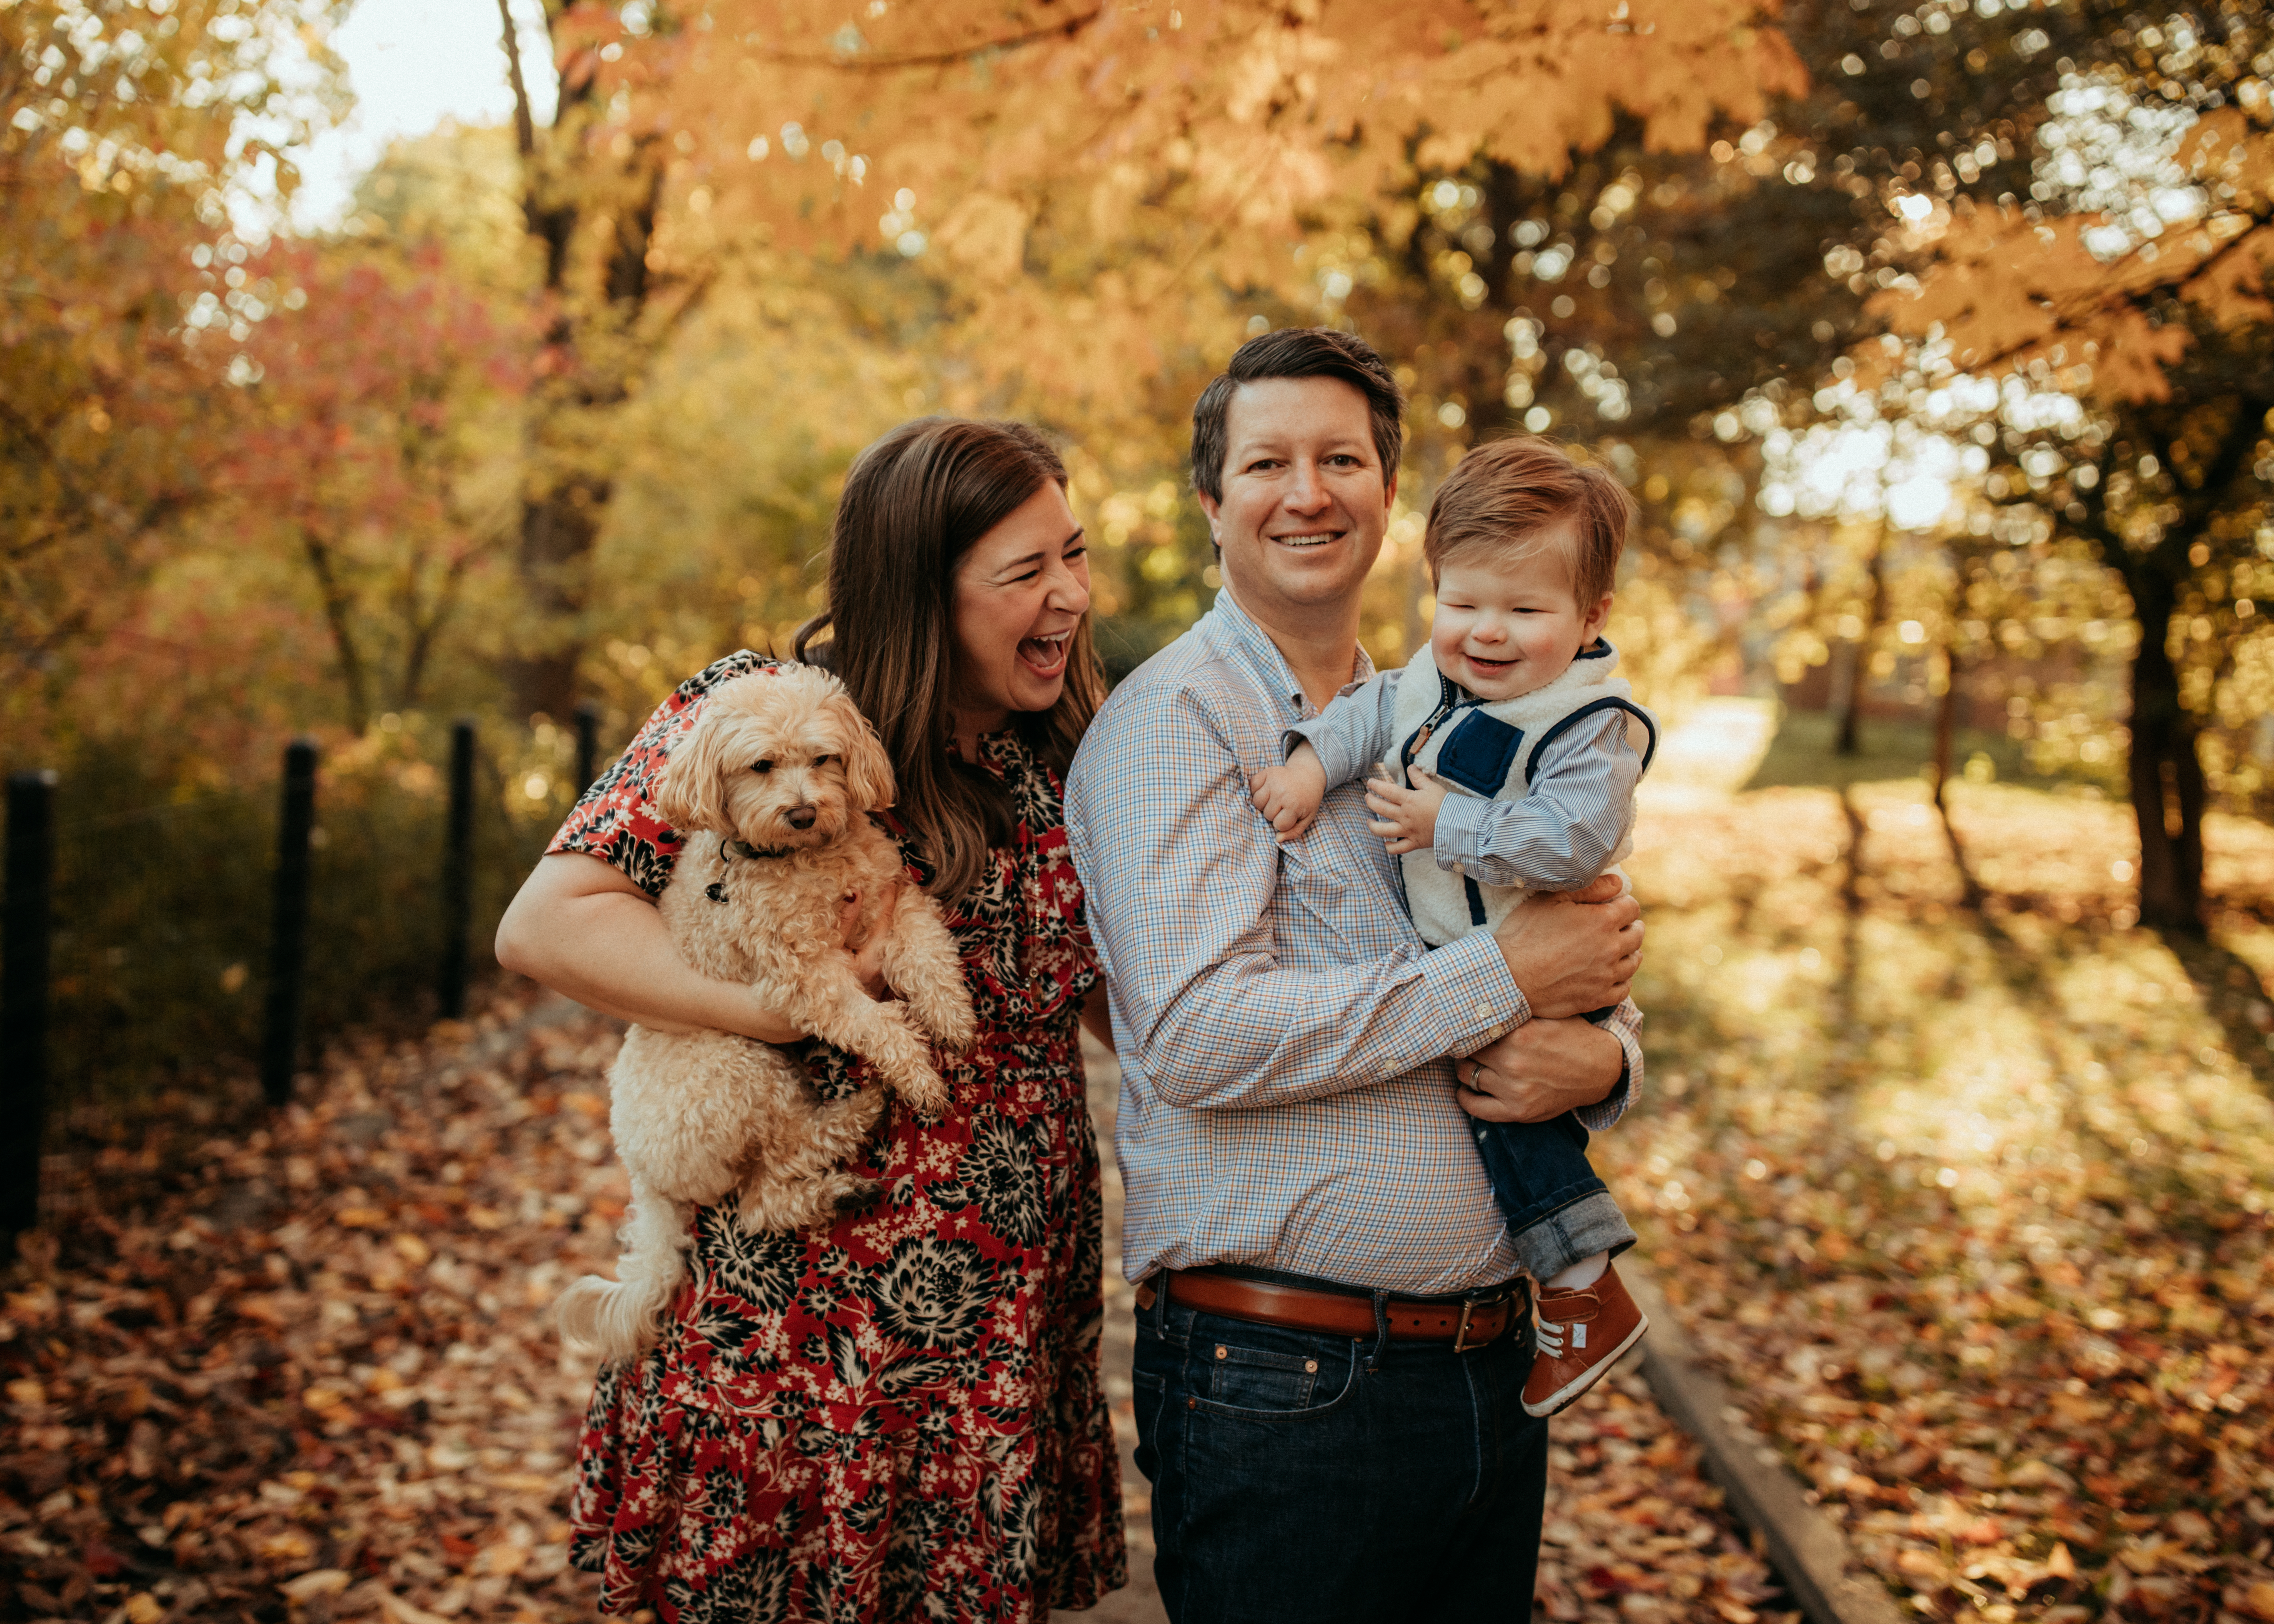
762,767
823,760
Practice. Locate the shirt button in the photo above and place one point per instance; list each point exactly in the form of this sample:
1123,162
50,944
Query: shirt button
1484,1011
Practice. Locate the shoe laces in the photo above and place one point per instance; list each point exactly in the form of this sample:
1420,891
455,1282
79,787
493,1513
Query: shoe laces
1550,1335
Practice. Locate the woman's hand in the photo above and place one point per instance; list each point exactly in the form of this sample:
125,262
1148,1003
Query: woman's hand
580,926
1539,1070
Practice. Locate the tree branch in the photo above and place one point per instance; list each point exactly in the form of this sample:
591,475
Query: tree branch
2243,433
336,615
525,127
1066,30
2137,298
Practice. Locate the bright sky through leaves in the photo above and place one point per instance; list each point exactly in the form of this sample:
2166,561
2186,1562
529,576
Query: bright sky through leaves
413,64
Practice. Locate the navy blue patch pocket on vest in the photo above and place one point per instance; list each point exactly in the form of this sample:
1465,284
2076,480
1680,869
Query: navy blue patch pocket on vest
1479,753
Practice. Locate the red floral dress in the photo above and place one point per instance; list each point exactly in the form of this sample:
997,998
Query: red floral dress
899,1417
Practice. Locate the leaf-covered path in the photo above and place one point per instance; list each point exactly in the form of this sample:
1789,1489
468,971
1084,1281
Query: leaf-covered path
1966,1188
305,1372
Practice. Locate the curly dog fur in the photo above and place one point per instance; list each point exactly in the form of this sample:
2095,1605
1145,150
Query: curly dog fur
771,791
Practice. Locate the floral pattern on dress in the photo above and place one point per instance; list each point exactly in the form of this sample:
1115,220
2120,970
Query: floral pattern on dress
899,1417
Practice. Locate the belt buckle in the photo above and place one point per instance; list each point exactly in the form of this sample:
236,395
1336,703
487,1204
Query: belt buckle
1461,1332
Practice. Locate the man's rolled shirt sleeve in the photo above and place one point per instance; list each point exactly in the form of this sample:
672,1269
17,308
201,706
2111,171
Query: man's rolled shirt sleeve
1624,1024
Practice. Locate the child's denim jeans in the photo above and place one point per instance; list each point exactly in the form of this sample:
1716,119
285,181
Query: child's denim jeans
1558,1211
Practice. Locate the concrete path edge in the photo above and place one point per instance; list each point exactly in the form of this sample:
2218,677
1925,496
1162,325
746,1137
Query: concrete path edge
1809,1552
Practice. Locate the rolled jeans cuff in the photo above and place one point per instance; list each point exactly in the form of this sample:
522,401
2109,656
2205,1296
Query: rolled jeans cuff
1591,1224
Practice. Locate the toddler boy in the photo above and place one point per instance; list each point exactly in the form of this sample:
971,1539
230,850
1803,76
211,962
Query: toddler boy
1506,763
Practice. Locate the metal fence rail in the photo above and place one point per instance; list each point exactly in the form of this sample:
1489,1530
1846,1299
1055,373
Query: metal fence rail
150,948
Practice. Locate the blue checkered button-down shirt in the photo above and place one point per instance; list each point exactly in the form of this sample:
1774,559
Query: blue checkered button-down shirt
1286,1103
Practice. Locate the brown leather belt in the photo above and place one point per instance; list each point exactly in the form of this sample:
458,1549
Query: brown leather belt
1465,1324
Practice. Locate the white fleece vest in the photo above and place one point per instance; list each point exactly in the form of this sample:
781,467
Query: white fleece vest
1492,750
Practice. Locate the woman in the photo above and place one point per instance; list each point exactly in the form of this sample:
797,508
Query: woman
899,1417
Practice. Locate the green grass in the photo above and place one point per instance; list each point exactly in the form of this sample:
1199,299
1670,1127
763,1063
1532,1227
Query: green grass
1801,755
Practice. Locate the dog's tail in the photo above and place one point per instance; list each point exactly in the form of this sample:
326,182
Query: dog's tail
618,1318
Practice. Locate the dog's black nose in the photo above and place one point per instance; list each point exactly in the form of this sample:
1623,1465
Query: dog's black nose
800,817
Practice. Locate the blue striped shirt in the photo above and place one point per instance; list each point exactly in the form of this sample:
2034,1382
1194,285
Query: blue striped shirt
1286,1103
1560,834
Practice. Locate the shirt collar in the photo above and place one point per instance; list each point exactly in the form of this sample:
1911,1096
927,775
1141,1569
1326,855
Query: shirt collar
1238,636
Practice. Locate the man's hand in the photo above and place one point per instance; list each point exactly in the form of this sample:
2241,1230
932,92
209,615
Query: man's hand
1407,819
1288,795
1573,951
1539,1070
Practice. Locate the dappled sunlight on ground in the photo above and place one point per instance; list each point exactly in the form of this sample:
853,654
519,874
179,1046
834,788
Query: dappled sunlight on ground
1969,1203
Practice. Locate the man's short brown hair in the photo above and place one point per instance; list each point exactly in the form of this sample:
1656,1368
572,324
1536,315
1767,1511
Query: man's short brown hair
1505,492
1298,352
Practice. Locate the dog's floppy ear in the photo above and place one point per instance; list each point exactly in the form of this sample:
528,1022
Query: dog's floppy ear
692,792
867,770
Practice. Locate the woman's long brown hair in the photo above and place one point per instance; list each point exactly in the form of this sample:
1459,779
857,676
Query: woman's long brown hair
915,503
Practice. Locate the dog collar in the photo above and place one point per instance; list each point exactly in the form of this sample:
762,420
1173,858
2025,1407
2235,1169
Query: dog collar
717,891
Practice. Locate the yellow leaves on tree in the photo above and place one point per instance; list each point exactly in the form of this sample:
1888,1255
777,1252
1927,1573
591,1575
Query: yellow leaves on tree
2007,292
1140,155
119,126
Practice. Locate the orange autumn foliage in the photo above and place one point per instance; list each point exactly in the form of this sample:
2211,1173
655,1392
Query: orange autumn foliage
2007,292
1132,156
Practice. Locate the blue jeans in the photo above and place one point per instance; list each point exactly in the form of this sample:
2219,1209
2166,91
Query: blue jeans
1313,1479
1558,1211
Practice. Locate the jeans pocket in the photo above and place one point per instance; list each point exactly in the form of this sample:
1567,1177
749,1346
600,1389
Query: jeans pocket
1272,1383
1150,1395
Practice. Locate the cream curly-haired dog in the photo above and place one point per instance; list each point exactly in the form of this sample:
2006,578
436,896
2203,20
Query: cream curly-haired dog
771,791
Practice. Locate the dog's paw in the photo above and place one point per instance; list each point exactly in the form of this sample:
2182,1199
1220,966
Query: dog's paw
953,1027
926,1093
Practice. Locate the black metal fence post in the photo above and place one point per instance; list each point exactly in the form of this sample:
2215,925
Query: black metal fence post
457,873
25,918
287,927
588,744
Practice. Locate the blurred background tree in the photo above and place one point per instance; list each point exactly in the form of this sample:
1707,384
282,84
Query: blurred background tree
2134,285
123,129
555,410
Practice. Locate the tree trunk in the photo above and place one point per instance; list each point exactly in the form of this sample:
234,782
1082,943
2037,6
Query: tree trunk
423,625
2166,778
1945,732
558,531
1946,737
1859,662
338,616
560,519
1417,590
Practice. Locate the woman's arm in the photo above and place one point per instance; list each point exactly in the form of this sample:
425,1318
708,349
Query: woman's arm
581,927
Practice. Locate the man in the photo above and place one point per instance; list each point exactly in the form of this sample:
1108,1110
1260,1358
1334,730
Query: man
1331,1348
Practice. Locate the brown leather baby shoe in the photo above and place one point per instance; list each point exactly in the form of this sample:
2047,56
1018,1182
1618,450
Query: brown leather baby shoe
1582,1331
